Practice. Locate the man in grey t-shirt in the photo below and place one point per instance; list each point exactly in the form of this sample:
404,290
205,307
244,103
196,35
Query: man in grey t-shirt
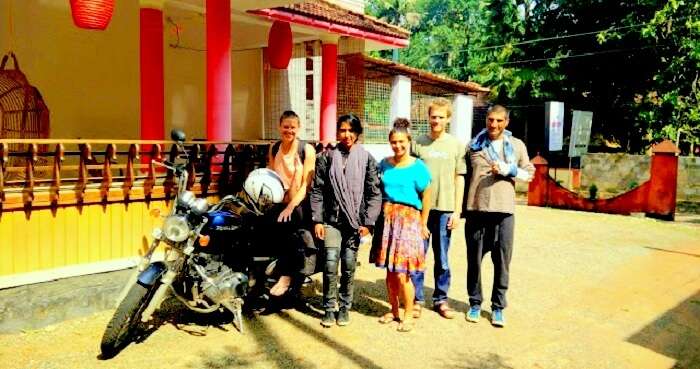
444,156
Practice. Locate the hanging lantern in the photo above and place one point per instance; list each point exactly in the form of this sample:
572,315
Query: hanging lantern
92,14
279,45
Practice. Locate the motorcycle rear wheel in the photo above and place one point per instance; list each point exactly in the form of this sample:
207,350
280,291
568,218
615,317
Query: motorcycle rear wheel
123,321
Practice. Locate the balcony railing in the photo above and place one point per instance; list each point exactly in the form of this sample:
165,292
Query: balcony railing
39,173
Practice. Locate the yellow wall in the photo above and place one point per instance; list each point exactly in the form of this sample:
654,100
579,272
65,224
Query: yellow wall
73,235
246,110
90,79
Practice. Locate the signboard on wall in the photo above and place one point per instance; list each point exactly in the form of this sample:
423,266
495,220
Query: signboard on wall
580,133
554,125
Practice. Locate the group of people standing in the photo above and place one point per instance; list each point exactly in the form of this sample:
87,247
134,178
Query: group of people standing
408,201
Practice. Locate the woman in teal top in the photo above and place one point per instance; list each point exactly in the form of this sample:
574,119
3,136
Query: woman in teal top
404,185
405,182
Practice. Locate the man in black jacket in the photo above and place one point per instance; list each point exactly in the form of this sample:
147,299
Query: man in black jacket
345,203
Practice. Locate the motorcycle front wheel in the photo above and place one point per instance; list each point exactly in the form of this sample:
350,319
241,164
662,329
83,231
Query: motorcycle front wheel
124,320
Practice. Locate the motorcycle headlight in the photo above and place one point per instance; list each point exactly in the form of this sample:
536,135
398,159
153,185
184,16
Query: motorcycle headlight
200,206
176,228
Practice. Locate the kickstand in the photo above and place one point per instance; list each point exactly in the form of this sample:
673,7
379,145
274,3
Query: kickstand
236,308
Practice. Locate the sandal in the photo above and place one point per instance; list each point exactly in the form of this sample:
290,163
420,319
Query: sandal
406,326
417,311
388,318
445,311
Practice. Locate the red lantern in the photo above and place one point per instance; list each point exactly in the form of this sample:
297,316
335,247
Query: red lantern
92,14
279,45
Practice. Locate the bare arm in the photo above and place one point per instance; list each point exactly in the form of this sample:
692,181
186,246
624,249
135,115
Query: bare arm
307,176
459,197
425,199
460,171
300,194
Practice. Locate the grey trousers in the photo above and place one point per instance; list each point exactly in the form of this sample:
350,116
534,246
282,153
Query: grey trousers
341,244
484,232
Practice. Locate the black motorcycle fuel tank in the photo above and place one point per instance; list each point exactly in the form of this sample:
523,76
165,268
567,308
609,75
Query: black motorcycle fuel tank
224,229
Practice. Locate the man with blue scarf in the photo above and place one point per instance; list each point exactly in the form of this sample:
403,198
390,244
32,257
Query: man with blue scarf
495,159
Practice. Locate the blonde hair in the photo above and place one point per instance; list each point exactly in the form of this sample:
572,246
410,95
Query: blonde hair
438,103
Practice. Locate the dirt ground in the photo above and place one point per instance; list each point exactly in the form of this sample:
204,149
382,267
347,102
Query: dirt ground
587,291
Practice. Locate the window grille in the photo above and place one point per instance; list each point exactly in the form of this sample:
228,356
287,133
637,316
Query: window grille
297,88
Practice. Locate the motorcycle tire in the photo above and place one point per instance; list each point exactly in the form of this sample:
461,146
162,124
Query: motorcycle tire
124,320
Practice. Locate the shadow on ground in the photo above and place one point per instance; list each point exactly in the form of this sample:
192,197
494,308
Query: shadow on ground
369,300
182,318
368,294
675,334
483,361
173,312
272,349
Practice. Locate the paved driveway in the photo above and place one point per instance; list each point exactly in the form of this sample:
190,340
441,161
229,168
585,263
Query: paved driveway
587,291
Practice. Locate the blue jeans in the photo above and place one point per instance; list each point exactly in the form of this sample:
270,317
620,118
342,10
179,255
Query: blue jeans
341,246
440,235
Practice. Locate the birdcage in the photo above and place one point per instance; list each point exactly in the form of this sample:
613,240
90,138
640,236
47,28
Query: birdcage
23,113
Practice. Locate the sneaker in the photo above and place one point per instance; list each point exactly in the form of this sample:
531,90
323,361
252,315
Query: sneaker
328,319
343,317
497,318
474,314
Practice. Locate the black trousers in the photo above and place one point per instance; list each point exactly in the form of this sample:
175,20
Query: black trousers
341,244
489,232
289,239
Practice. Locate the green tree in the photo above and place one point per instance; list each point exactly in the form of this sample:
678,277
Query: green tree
397,12
671,103
634,64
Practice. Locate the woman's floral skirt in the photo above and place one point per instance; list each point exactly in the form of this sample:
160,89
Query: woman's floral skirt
401,248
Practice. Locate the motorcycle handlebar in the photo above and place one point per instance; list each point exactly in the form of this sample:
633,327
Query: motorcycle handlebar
169,165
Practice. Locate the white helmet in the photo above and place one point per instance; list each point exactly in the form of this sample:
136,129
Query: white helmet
264,187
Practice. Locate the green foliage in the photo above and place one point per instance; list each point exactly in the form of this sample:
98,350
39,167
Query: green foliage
671,102
398,12
635,64
377,110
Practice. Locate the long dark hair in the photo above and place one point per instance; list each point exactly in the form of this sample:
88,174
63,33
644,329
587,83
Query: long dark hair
353,120
401,125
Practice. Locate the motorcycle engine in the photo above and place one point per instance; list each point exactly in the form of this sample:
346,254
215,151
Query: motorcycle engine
223,283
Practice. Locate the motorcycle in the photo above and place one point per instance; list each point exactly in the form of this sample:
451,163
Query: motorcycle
213,259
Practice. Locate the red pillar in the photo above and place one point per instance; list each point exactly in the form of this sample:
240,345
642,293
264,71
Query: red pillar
663,180
575,179
537,188
151,64
329,91
218,21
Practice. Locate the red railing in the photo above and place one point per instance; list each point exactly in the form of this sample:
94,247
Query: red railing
655,197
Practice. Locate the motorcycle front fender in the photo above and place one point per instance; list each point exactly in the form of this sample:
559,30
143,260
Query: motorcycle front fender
152,274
